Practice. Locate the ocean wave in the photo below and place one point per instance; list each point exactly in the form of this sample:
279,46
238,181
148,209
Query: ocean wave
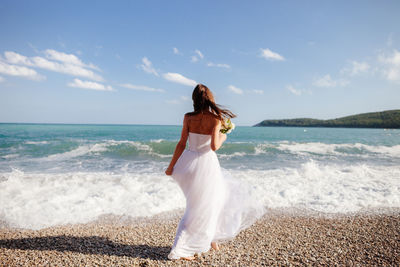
121,148
80,151
330,188
10,156
157,140
232,155
36,142
338,149
308,148
37,200
160,149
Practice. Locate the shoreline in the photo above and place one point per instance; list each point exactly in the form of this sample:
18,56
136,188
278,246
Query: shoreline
279,238
176,214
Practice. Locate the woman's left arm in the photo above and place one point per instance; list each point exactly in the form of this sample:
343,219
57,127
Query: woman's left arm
180,147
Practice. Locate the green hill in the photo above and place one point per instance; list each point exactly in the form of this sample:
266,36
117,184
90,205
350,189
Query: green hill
384,119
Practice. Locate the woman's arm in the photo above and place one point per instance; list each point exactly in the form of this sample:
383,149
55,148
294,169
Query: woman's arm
180,147
217,137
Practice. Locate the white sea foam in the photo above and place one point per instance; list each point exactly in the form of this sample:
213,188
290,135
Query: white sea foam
262,148
101,147
336,149
10,156
328,188
156,140
389,150
37,200
140,146
79,151
232,155
36,142
308,148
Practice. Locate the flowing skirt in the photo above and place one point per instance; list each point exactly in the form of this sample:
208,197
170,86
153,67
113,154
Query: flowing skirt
218,206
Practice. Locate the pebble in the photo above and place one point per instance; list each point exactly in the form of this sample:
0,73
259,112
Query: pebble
276,239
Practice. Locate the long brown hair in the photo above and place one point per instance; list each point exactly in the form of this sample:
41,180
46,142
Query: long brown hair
203,99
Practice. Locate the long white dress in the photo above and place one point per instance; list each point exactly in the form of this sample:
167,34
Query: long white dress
218,206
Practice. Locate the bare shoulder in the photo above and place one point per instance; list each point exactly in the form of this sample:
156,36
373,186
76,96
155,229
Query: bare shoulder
213,116
190,113
215,119
186,118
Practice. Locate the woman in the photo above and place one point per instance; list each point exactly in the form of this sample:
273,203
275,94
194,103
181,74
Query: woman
217,206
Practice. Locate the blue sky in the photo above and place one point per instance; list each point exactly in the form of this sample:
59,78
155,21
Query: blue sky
136,62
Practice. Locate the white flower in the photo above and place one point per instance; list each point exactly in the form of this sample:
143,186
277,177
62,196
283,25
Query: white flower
227,126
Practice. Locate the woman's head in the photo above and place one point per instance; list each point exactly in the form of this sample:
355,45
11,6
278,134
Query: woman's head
203,100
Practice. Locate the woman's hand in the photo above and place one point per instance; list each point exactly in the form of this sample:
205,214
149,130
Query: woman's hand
169,170
217,137
222,136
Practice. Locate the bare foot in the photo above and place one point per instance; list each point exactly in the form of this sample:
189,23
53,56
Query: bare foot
214,245
188,258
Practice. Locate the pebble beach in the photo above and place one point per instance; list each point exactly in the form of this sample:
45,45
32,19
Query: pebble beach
97,195
288,239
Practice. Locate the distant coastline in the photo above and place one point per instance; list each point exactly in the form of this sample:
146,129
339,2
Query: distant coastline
384,119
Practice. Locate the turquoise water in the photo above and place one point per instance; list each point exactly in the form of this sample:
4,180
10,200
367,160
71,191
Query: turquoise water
56,173
81,147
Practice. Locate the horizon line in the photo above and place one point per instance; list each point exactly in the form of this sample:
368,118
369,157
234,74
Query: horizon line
111,124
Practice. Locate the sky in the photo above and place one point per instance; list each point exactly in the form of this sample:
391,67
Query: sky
137,62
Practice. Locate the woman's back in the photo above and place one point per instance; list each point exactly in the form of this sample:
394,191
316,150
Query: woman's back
202,123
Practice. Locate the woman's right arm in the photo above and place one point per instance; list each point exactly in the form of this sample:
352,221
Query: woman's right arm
217,138
180,147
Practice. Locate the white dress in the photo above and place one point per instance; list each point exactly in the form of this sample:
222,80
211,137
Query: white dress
218,206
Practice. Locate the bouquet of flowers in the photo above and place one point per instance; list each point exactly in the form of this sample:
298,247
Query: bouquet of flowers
227,126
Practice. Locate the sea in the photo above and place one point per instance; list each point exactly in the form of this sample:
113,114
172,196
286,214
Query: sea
54,174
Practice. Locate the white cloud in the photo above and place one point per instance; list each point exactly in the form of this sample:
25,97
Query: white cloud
15,58
327,81
218,65
1,79
235,90
269,55
20,71
356,68
69,69
294,90
194,59
259,92
90,85
67,58
199,53
176,51
198,56
391,68
179,78
70,64
147,66
63,57
141,88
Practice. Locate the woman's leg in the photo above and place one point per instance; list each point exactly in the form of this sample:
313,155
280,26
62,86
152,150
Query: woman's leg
214,245
188,258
